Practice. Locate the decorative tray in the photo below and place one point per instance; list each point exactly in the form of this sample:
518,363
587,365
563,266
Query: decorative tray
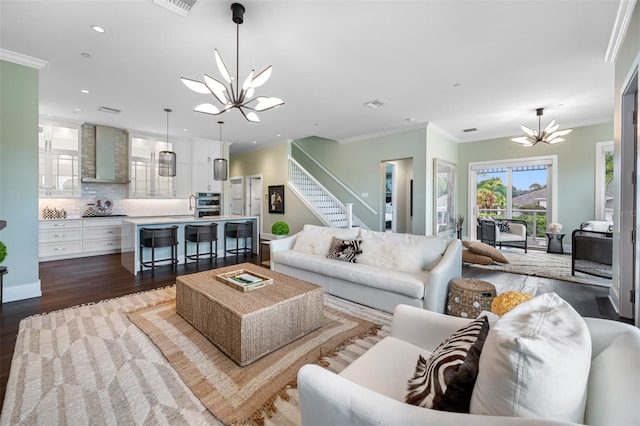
244,280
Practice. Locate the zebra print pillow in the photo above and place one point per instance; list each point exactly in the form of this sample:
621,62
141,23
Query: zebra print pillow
445,381
345,250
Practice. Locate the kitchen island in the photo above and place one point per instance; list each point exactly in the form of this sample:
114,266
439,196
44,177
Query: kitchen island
130,236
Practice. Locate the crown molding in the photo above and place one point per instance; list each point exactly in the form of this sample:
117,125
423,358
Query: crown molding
619,30
20,59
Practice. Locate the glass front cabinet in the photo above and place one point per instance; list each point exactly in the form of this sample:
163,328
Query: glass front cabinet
59,160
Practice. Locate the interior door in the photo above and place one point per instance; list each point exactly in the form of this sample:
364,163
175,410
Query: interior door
236,202
255,191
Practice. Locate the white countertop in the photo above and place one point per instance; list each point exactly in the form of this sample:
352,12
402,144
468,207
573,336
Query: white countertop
182,219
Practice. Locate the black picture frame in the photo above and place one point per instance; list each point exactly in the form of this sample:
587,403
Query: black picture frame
276,199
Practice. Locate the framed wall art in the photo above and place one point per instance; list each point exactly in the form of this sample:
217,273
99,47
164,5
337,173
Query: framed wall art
276,199
444,197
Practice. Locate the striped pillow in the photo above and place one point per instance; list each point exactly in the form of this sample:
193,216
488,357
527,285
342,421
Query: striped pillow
445,381
345,250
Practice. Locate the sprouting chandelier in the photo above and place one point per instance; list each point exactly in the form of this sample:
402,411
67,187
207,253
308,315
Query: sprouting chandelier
234,97
549,135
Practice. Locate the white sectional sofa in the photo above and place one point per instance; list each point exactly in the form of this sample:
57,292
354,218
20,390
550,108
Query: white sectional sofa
391,268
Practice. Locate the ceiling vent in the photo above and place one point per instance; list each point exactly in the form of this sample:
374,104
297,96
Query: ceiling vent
472,129
179,7
377,103
109,110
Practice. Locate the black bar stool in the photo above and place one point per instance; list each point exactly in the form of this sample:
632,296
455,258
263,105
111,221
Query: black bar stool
154,238
201,234
238,230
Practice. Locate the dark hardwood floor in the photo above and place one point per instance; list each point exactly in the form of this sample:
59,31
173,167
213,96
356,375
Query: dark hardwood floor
68,283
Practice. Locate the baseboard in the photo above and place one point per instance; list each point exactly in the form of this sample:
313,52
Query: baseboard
20,292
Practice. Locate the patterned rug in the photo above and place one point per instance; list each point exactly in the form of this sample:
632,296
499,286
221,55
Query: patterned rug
233,393
546,265
92,365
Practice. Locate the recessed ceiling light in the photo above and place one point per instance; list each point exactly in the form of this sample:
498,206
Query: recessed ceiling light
457,84
97,28
85,91
471,129
376,103
186,130
255,141
85,55
77,109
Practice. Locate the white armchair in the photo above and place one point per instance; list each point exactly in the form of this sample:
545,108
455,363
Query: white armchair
372,389
489,232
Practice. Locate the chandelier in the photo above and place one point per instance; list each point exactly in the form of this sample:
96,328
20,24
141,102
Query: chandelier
550,134
234,96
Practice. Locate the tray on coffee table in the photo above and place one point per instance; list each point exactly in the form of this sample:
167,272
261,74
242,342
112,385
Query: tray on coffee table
244,280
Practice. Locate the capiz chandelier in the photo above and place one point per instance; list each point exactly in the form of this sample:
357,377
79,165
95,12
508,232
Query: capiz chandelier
234,97
549,135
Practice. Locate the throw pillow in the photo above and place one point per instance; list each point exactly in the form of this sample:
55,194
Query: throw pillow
470,257
535,363
345,250
486,250
503,225
508,300
445,381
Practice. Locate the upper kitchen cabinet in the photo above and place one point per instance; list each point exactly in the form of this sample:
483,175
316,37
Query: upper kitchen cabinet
146,181
204,152
59,156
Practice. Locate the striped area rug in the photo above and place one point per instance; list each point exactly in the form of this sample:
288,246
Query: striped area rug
92,365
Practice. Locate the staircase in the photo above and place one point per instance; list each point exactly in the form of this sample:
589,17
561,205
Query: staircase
318,199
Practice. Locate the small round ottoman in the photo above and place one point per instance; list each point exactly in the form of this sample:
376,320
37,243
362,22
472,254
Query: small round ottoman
468,297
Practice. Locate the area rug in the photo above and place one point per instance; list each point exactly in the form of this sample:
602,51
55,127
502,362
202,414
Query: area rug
233,393
92,365
546,265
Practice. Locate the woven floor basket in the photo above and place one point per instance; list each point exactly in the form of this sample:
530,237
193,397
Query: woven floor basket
468,297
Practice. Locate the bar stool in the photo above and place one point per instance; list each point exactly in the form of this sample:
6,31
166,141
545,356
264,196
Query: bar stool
238,230
154,238
201,234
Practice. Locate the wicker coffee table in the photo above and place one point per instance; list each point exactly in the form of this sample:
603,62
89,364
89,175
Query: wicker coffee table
246,326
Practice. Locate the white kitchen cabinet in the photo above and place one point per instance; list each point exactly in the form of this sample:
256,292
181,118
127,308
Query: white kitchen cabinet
146,182
101,236
59,160
70,238
60,239
204,152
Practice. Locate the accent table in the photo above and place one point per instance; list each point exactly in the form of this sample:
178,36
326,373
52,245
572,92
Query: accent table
554,242
246,326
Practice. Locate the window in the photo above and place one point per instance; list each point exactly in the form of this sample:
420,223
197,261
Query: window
515,189
59,160
604,181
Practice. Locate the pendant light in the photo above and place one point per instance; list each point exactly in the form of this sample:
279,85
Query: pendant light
241,96
167,159
220,163
550,134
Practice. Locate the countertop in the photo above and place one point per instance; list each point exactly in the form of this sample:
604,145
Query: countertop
182,219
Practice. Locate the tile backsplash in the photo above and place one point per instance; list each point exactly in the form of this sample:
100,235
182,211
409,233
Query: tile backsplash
75,207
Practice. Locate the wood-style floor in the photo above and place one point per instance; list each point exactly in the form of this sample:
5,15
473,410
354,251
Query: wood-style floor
73,282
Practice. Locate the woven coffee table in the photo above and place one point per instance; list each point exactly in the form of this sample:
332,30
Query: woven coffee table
247,326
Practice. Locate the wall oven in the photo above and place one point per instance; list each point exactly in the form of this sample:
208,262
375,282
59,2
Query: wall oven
208,204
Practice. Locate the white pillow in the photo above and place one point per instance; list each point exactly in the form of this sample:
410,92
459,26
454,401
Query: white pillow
400,252
317,239
535,363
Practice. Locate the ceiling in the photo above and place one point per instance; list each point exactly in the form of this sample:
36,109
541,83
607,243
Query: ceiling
455,64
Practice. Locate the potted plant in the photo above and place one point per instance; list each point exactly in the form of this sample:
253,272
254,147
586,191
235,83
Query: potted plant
280,229
3,251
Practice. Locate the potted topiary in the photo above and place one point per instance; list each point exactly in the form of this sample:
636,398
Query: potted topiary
280,229
3,251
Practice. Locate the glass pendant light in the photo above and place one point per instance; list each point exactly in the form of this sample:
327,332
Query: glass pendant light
167,159
220,164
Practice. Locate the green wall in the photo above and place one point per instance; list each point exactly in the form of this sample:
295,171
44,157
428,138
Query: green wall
576,169
19,178
358,165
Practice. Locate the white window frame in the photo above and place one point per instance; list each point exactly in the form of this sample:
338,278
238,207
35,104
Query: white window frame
600,187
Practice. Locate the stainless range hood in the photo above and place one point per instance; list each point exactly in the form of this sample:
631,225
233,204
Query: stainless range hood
106,160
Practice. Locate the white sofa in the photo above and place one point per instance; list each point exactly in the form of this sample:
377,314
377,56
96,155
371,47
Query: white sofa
371,390
392,269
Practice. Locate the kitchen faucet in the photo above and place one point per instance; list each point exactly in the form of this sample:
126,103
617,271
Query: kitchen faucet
190,207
